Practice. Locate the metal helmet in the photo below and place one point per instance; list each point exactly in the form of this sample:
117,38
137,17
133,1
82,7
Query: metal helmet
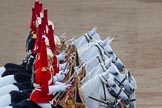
57,40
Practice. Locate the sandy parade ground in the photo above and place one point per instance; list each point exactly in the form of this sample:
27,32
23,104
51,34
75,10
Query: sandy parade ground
135,25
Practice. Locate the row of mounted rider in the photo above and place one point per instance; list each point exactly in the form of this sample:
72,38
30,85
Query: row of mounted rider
101,80
44,57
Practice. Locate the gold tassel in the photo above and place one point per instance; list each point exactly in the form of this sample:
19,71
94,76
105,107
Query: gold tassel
34,36
38,56
44,69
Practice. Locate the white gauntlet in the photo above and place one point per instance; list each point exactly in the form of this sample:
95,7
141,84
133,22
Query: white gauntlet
58,77
62,66
61,56
55,88
64,71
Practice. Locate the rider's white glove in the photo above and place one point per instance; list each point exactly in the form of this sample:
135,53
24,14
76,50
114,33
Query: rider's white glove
61,56
62,66
64,87
55,88
59,83
64,71
58,77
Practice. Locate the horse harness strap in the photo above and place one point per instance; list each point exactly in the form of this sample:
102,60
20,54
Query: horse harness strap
101,60
103,48
104,91
132,100
88,38
120,83
102,63
103,67
99,48
107,54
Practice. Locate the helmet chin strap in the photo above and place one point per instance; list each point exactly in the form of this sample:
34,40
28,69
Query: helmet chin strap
57,40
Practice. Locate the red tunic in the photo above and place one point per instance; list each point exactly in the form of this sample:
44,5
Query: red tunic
55,65
40,93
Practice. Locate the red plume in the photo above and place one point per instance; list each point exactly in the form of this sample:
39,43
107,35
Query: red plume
33,20
43,56
51,38
40,7
46,16
43,25
36,6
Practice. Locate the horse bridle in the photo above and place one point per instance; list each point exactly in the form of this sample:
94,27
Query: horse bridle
101,52
102,63
120,84
111,91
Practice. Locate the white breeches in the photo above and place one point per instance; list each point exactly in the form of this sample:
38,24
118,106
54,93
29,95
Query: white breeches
7,107
45,105
7,89
5,100
7,80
